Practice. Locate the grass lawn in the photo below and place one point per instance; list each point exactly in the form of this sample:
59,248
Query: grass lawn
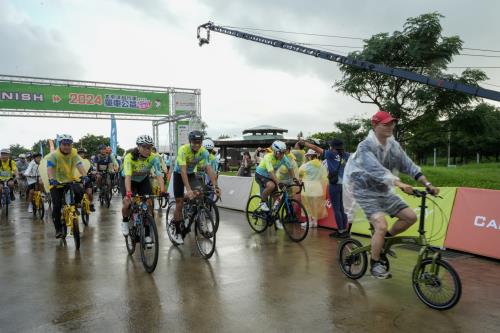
486,175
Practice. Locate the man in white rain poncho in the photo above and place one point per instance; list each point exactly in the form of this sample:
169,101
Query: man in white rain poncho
370,178
315,177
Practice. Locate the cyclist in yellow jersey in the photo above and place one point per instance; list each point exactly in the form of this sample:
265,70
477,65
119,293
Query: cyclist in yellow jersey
60,169
8,172
190,157
265,173
136,168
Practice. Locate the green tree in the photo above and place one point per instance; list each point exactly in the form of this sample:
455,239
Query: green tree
420,47
17,149
351,132
223,136
91,143
45,146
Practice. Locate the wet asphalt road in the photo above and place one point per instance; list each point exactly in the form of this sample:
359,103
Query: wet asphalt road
253,283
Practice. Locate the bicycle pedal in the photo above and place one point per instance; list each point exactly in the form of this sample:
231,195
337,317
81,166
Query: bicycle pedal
391,253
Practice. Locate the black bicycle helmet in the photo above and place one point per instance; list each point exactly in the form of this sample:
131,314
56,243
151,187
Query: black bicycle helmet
195,136
82,150
35,155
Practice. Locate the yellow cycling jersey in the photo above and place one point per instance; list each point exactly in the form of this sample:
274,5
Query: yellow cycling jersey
139,169
190,159
64,165
7,169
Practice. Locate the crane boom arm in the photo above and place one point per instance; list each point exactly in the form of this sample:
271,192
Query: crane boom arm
364,65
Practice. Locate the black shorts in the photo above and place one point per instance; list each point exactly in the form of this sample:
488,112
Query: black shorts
262,181
31,187
141,188
179,184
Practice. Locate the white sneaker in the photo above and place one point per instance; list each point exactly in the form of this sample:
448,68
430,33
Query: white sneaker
125,228
30,208
279,225
178,239
149,242
263,207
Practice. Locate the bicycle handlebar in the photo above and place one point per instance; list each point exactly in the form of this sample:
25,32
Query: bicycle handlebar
419,194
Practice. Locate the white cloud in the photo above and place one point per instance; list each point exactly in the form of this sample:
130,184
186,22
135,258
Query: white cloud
243,84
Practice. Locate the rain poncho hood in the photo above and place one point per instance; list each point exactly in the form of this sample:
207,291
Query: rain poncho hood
371,171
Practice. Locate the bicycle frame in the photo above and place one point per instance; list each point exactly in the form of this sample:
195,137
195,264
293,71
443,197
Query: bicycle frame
141,206
283,196
69,206
419,240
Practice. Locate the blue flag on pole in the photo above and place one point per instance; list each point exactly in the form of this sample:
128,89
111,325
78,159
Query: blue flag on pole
113,137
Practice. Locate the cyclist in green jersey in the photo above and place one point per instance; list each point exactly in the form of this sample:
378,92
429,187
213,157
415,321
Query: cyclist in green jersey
190,157
265,173
137,166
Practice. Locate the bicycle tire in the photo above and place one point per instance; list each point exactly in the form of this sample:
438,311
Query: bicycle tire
85,215
35,208
204,235
41,210
153,233
291,222
171,228
76,232
170,213
418,272
130,240
255,217
214,211
165,203
346,262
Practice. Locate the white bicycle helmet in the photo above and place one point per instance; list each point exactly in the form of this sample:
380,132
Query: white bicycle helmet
5,151
208,144
278,146
65,137
144,140
22,156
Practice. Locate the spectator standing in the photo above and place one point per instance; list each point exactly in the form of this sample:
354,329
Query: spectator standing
336,159
245,169
315,178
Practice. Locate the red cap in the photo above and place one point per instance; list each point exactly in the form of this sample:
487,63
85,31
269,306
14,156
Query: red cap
382,117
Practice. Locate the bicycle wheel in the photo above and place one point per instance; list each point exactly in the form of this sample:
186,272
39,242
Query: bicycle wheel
35,206
105,197
353,266
440,290
85,214
164,202
149,251
204,233
257,219
76,231
214,211
130,240
295,221
41,209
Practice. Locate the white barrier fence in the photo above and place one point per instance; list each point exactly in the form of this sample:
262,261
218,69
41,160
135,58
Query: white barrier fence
235,191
